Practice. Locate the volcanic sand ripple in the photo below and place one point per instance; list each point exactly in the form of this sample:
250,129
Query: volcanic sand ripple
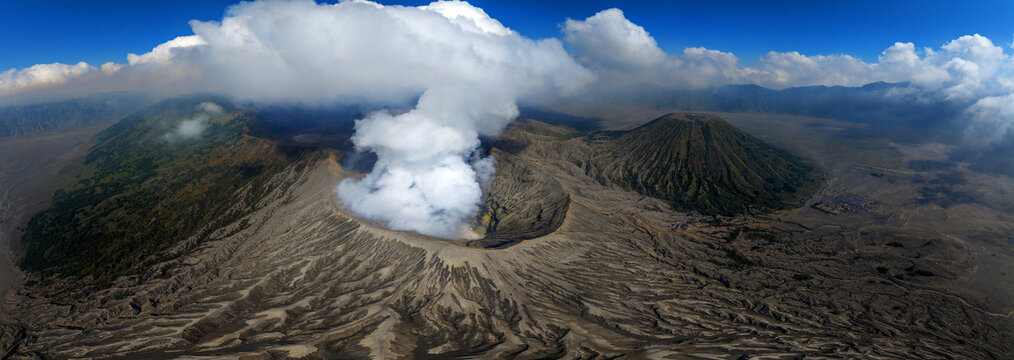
620,274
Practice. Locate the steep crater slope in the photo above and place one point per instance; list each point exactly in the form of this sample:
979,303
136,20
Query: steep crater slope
522,203
701,162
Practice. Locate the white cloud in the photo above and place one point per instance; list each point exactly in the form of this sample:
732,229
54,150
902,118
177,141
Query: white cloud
787,69
607,40
900,63
300,51
623,53
108,76
469,17
42,75
210,108
164,53
992,118
193,128
702,67
189,129
967,69
110,68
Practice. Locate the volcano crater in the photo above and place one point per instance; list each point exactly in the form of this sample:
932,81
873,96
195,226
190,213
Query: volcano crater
521,203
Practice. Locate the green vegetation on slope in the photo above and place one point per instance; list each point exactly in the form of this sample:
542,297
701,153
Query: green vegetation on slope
700,162
140,193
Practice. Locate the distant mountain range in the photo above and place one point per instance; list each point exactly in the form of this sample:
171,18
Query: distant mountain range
16,120
890,105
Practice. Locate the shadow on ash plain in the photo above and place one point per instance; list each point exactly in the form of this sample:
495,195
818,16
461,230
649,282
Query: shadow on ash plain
613,273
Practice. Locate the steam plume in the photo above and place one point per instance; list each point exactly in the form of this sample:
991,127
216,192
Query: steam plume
466,68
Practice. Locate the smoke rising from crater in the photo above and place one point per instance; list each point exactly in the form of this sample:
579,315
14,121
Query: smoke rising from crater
467,70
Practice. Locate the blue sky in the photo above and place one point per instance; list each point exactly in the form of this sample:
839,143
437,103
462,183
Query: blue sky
69,31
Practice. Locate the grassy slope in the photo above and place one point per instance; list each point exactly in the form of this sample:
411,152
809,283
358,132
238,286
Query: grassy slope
700,162
139,194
